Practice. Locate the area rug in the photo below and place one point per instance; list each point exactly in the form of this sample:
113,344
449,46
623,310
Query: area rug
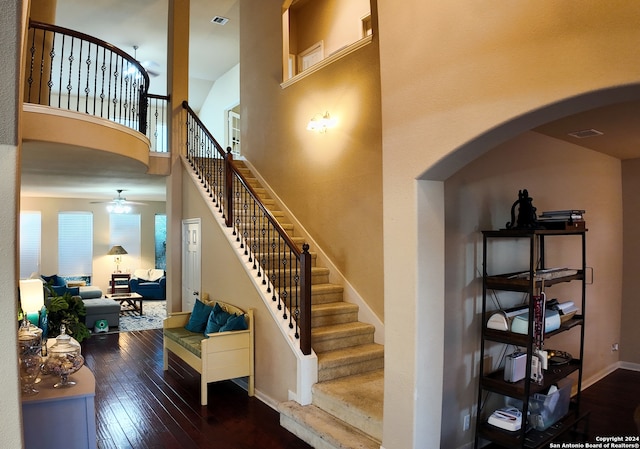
153,312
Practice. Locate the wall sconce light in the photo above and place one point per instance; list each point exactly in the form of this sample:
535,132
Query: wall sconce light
321,123
117,251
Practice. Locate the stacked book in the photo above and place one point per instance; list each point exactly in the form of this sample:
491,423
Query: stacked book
562,219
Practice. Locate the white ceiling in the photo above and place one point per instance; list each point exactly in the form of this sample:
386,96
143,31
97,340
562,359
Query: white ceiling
61,171
214,49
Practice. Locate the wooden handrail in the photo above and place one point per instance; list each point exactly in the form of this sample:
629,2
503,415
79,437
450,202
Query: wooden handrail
300,305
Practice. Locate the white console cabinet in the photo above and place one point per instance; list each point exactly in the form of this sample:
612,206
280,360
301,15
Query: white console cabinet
61,417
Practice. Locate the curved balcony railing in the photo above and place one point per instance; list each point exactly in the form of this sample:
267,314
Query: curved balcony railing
71,70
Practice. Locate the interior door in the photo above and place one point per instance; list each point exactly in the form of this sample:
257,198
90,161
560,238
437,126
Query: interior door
191,263
233,131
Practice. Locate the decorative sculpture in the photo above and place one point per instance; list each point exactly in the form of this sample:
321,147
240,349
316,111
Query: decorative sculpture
527,218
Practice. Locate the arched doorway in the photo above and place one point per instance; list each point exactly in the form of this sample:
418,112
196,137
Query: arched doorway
486,173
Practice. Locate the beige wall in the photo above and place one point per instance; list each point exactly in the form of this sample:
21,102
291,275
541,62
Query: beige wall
335,22
331,182
103,265
225,279
470,77
558,175
630,333
11,43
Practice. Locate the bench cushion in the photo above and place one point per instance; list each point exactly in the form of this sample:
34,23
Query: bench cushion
187,339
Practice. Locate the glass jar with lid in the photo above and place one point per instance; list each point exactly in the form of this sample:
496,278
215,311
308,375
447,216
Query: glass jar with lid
29,356
64,358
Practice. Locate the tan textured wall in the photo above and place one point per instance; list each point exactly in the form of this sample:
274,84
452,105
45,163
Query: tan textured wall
225,279
466,70
335,22
332,182
11,41
630,332
558,175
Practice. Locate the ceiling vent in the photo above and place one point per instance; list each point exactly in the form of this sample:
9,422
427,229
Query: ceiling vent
219,20
586,133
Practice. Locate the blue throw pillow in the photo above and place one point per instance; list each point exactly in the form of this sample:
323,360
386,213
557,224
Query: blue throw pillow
217,318
199,317
55,280
235,323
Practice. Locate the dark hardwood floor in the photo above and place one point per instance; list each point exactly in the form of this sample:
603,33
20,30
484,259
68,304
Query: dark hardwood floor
138,406
612,402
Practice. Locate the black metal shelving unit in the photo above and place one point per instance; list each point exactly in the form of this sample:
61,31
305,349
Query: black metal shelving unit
522,390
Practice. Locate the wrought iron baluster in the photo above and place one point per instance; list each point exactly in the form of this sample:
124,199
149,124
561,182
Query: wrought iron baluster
87,89
61,71
79,80
70,58
32,50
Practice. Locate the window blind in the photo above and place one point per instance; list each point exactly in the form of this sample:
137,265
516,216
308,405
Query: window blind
75,243
124,230
30,240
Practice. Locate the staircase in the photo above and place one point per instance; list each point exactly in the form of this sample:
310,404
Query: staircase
346,409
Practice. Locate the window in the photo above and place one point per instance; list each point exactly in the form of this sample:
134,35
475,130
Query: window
124,230
30,237
75,243
161,241
233,130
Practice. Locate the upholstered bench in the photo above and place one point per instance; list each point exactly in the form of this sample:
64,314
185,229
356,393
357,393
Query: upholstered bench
216,356
101,309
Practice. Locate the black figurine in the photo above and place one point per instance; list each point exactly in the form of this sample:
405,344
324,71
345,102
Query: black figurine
527,218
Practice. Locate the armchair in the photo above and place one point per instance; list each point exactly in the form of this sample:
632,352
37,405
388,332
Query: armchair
149,283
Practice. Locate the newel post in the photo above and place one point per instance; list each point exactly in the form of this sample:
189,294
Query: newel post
305,300
228,186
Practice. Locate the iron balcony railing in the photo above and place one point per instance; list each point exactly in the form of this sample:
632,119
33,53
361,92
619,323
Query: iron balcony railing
70,70
283,265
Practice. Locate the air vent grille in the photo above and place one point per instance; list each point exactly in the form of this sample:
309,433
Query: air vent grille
219,20
586,133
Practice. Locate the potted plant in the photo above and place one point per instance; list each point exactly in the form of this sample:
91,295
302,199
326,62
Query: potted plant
68,310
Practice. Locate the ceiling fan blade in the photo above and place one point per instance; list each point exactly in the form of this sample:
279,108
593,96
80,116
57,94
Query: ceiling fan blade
152,68
120,200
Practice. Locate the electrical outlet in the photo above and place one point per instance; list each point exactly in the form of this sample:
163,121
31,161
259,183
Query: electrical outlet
614,347
466,423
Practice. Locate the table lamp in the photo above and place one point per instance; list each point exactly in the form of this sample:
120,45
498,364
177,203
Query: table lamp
117,251
32,299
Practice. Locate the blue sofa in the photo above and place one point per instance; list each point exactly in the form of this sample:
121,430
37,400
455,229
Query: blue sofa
59,286
150,284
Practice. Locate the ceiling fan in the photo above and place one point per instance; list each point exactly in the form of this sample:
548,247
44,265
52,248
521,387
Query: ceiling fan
152,67
119,205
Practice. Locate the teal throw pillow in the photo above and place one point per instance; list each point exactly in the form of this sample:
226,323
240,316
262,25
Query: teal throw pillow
199,316
217,318
54,280
235,323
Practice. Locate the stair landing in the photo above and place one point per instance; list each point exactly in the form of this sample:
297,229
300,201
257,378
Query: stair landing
354,399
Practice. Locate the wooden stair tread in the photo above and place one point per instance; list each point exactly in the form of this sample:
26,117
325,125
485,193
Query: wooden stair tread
336,357
334,330
332,308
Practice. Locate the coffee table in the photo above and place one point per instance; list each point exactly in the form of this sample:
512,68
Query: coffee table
129,302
